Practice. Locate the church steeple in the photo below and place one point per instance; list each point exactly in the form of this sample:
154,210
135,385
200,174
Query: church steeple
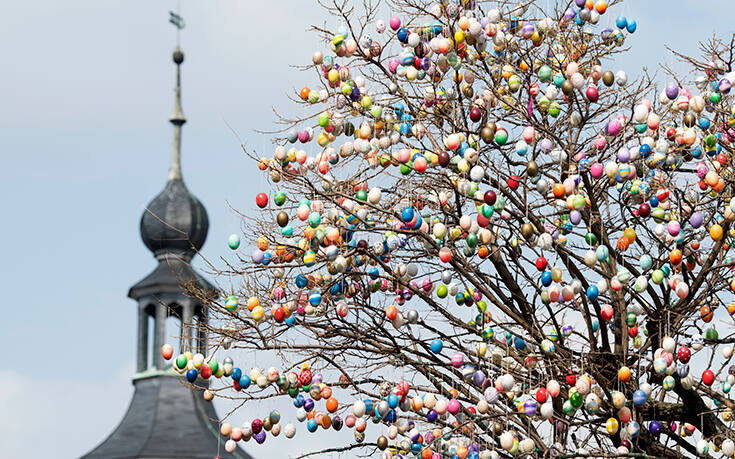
166,418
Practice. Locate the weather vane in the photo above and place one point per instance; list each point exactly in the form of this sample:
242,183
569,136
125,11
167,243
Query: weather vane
178,21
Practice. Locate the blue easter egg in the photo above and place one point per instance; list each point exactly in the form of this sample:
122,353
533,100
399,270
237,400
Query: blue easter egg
592,292
639,397
407,214
311,425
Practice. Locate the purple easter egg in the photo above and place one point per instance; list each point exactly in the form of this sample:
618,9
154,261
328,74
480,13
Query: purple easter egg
696,220
672,90
258,256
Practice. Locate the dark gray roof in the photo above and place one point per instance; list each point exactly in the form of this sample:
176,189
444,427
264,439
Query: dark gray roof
166,419
171,273
174,221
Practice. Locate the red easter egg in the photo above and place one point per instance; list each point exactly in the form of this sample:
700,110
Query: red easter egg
305,377
541,263
490,197
420,164
708,377
513,182
279,314
206,371
261,200
475,114
167,351
592,94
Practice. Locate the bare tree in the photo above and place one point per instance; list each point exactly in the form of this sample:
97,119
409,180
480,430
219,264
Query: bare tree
488,243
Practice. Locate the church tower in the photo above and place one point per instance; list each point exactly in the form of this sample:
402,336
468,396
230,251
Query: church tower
166,419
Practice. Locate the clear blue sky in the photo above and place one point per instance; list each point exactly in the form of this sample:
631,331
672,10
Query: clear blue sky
85,94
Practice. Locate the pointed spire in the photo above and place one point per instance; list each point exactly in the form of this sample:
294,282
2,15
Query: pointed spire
177,119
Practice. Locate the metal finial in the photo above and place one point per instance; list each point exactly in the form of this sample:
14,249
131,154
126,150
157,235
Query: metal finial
177,118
